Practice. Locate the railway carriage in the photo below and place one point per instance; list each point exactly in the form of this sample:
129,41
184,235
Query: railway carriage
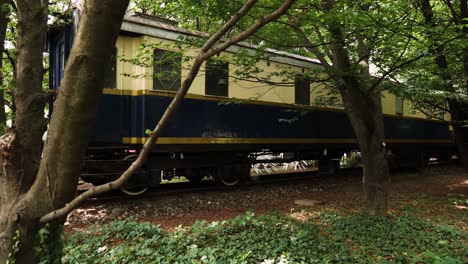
224,122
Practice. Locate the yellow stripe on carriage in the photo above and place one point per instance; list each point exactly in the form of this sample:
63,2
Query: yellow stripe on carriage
211,140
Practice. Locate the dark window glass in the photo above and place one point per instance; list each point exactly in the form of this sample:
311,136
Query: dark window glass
398,105
217,78
302,90
111,73
167,70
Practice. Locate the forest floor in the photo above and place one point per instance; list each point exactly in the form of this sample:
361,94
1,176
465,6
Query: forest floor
438,194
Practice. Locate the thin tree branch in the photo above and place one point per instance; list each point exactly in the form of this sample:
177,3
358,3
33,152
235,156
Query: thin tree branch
276,44
12,61
393,65
399,20
387,73
456,17
311,46
228,25
252,29
323,42
431,104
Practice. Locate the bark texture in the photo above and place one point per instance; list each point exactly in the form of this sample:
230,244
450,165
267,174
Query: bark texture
56,179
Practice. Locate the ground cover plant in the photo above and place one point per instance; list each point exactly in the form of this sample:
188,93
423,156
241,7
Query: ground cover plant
273,238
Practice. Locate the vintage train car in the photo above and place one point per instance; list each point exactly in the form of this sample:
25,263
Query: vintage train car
224,122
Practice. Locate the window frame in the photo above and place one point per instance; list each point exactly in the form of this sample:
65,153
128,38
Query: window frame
175,65
110,77
302,90
213,82
399,106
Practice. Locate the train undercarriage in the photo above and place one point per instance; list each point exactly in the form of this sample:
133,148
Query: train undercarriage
105,164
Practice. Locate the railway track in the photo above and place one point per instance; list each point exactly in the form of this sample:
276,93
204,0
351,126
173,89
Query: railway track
208,185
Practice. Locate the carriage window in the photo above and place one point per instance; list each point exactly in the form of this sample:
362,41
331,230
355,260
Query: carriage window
302,90
398,105
167,70
217,78
111,72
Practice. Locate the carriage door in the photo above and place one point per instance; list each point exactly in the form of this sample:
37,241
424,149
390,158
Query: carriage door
60,45
62,50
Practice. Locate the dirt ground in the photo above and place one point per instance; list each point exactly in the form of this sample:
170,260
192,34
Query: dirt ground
438,194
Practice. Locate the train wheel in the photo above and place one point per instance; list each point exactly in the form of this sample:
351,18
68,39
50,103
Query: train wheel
133,190
230,180
229,175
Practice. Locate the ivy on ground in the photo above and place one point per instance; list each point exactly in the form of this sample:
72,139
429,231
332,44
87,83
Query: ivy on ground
272,238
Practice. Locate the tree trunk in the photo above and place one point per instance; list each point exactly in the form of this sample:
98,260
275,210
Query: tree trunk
71,121
459,117
75,111
363,105
21,154
365,114
460,131
456,108
464,22
460,136
22,161
4,19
